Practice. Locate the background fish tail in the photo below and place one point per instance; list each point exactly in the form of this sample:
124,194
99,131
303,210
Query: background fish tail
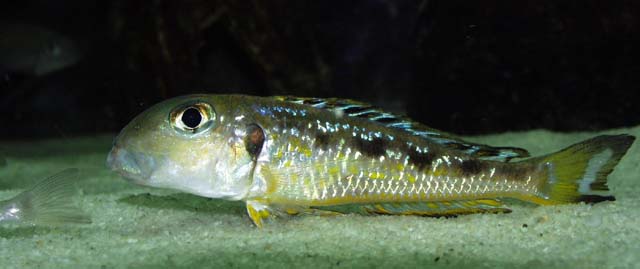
579,172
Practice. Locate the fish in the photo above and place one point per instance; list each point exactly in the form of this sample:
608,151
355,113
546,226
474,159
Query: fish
35,50
48,202
288,155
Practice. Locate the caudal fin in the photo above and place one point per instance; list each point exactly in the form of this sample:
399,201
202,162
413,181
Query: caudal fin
579,172
49,201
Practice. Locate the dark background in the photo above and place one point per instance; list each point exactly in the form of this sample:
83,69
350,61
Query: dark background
464,67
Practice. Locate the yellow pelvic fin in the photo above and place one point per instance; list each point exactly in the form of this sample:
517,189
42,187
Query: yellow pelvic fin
257,212
260,212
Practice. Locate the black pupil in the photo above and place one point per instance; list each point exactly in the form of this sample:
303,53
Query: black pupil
191,117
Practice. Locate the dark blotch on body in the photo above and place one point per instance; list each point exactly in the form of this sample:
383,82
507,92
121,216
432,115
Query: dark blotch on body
470,167
254,140
516,172
371,148
421,159
322,141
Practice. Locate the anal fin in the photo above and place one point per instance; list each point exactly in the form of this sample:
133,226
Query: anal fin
310,211
442,208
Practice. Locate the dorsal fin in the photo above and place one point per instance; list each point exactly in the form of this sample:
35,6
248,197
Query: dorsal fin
367,111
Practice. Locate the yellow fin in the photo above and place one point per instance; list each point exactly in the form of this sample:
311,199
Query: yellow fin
293,210
444,208
579,172
257,212
260,212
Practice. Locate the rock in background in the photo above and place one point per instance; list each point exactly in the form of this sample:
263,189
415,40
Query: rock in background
463,67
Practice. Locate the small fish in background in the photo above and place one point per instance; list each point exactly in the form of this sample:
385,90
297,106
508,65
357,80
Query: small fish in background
34,50
290,155
48,202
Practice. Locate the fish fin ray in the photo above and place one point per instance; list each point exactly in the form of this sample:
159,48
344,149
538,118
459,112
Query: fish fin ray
49,201
434,209
579,172
258,212
300,210
369,112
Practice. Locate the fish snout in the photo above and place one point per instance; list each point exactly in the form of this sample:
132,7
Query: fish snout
131,165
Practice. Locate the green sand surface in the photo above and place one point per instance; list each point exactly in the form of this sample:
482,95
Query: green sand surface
140,227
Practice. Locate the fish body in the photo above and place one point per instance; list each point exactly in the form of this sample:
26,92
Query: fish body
309,155
35,50
47,202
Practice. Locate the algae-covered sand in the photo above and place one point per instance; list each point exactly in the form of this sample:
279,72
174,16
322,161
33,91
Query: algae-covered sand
143,227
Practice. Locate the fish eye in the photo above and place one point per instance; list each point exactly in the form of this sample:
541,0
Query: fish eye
193,117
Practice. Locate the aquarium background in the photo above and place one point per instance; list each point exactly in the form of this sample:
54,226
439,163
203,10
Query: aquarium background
540,75
465,67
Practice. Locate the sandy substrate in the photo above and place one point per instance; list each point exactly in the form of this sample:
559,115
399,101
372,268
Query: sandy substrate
148,228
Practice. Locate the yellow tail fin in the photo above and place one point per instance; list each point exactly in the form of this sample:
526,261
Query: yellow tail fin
579,172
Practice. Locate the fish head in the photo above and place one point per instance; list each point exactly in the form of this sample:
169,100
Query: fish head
193,143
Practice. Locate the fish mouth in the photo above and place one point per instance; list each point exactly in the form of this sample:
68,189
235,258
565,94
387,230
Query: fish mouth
136,167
